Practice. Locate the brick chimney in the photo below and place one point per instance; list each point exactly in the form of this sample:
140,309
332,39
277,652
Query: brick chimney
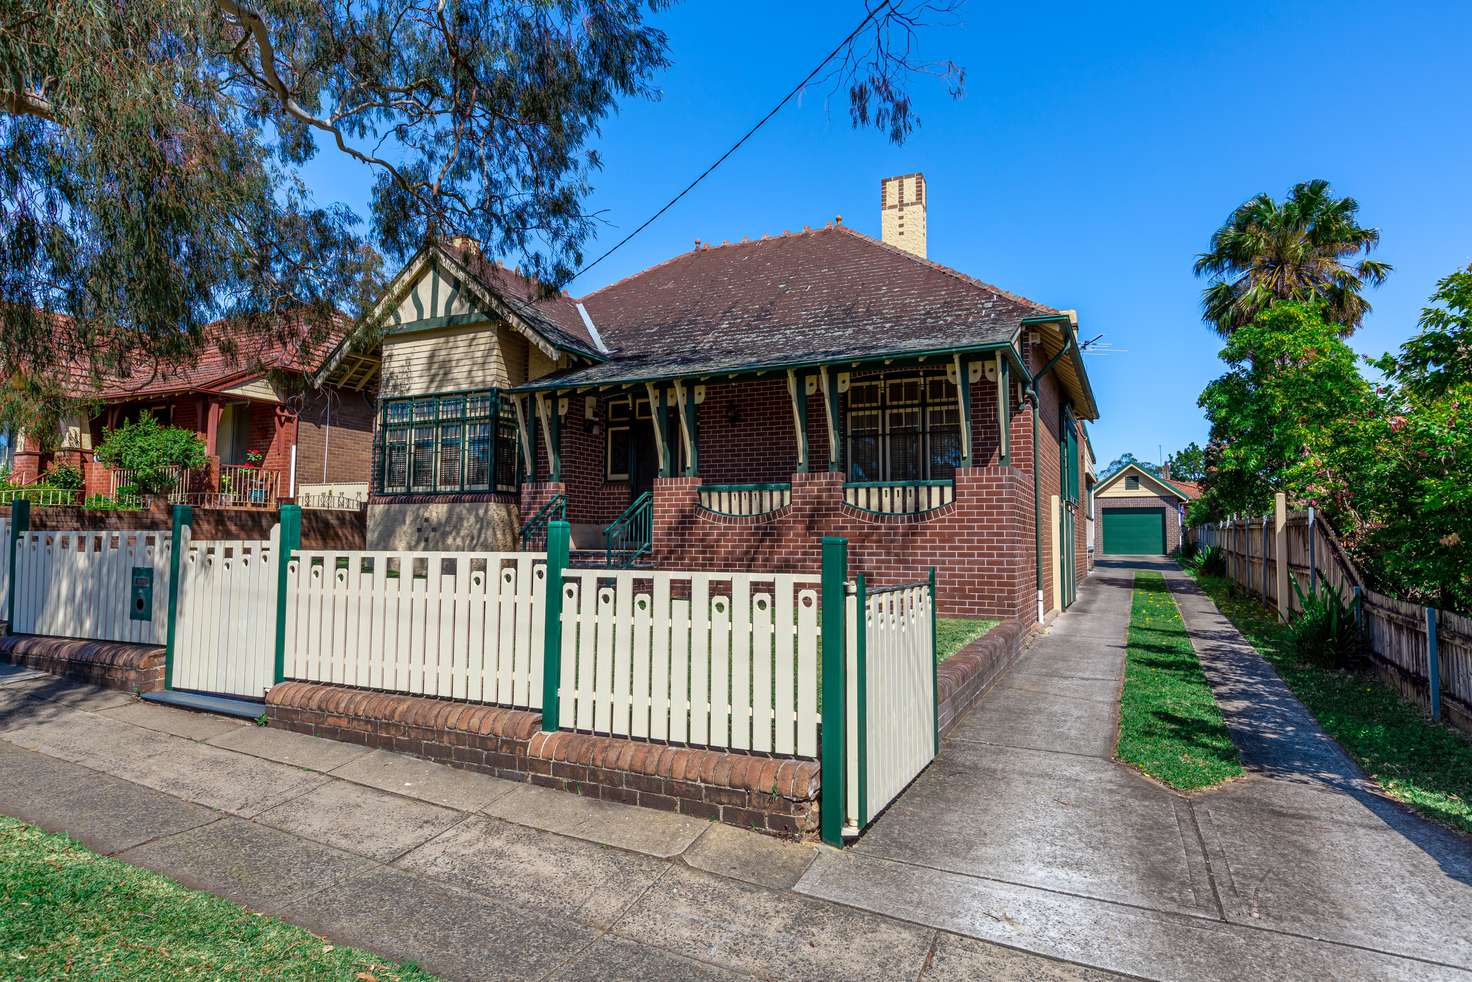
902,212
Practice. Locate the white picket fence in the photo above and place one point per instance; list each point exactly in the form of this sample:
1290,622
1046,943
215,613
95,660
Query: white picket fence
225,632
4,567
457,625
79,584
892,670
712,659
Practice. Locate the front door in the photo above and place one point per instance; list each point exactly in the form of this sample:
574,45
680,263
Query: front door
643,462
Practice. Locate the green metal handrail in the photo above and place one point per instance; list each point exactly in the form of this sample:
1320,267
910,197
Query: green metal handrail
534,532
631,535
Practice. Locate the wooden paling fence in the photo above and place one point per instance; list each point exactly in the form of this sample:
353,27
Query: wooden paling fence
1424,652
456,625
724,660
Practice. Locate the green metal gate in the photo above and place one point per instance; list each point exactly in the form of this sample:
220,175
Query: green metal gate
1134,532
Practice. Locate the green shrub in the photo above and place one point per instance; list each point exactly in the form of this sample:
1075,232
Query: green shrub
1211,561
102,502
1188,551
150,451
1324,631
66,477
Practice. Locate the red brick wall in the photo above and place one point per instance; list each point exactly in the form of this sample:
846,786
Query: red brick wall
335,437
980,543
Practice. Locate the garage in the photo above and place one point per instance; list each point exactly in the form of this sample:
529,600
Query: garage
1134,531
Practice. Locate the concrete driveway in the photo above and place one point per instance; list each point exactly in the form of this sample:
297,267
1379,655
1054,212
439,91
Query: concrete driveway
1025,832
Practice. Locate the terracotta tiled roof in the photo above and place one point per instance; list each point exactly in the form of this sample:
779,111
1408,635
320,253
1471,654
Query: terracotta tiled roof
821,294
234,353
555,317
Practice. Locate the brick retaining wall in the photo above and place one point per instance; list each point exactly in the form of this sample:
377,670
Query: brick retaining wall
966,676
111,664
768,794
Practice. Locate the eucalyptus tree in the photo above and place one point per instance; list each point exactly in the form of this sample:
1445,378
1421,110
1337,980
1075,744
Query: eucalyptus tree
153,156
1308,247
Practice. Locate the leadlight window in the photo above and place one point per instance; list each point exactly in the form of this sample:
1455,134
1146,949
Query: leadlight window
463,441
620,417
903,429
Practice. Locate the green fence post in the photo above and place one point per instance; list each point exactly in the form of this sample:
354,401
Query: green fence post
183,518
1433,663
861,648
559,543
934,656
20,524
290,520
835,745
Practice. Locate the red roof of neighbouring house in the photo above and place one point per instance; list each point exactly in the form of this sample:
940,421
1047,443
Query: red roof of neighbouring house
236,350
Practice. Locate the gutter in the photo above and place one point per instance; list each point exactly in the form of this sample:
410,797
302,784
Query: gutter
551,385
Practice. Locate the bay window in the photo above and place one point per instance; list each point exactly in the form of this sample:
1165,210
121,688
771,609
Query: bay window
459,442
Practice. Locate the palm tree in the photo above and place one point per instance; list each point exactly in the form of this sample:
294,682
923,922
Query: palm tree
1300,249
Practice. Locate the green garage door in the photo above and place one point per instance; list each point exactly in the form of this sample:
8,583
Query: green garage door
1134,532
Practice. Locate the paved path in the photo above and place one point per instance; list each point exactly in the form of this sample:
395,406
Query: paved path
466,875
1025,832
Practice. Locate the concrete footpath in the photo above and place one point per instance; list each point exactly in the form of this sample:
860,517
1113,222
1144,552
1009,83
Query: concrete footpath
1026,832
468,876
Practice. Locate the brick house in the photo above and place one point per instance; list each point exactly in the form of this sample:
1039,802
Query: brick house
270,434
1140,513
729,407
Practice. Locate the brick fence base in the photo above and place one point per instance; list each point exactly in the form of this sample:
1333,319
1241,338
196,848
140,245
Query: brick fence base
762,793
965,677
111,664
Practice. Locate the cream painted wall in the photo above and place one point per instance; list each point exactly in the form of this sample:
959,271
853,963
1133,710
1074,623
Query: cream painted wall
475,356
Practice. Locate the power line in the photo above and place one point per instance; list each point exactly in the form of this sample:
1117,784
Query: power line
737,145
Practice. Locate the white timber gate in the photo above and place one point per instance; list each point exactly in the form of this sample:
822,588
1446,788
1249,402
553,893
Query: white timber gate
225,627
84,584
891,695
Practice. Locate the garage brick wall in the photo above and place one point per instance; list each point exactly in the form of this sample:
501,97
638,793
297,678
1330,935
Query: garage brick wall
1172,517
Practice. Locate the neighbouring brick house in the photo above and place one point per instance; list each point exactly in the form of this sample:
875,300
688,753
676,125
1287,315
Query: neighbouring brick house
729,407
1140,513
271,432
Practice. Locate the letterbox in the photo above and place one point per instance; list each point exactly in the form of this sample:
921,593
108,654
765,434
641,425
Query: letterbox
140,602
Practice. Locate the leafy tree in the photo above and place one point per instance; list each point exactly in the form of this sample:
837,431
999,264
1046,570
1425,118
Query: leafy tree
1390,468
1297,249
1124,460
1282,414
1439,358
150,450
1188,463
153,155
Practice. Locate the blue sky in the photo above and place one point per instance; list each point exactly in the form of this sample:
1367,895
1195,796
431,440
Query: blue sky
1096,149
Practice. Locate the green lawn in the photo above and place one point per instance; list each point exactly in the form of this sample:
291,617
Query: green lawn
68,912
1170,726
1424,764
954,633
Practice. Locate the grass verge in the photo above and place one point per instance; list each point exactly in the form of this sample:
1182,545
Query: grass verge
954,633
1424,764
67,912
1170,725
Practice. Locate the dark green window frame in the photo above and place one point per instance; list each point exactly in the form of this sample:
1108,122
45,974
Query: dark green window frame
936,432
449,443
